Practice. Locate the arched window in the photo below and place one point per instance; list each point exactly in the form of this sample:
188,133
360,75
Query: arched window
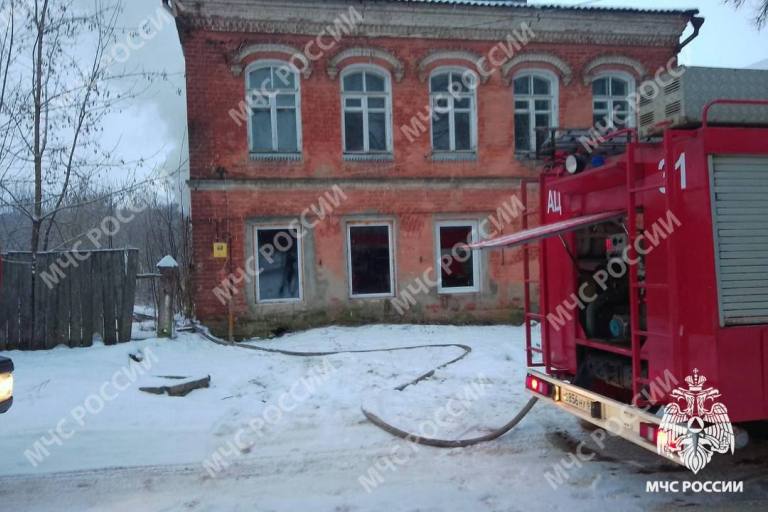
454,110
275,111
367,105
610,104
535,94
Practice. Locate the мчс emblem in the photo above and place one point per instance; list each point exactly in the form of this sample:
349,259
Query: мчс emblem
699,428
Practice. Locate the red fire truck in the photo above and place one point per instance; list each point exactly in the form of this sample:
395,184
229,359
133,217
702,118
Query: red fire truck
653,265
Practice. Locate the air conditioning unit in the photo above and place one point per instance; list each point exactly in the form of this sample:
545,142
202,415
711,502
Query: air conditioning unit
678,98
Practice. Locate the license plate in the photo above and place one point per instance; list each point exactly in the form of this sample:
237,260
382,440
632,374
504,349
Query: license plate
578,401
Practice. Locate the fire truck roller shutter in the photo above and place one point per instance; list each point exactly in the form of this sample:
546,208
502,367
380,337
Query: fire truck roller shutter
739,187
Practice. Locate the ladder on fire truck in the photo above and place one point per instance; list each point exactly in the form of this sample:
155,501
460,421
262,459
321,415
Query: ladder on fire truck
638,288
529,315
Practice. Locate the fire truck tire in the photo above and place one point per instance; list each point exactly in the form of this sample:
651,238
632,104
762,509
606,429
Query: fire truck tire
742,437
439,443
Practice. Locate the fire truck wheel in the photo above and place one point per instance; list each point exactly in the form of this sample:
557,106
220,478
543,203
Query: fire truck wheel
742,437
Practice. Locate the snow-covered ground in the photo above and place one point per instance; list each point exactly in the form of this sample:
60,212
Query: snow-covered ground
281,433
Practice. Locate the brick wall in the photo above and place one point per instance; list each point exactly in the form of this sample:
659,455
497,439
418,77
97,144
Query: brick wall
217,142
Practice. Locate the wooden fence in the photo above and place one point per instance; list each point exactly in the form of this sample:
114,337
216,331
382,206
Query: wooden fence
69,299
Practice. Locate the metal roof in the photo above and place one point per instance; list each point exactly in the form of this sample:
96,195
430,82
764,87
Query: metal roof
523,3
483,3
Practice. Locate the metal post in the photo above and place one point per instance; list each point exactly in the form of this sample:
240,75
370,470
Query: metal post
526,279
543,292
679,354
634,300
230,303
169,274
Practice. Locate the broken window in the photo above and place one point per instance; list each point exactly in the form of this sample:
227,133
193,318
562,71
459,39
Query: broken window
370,259
457,264
279,272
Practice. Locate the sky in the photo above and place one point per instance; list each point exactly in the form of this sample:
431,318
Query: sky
728,37
154,126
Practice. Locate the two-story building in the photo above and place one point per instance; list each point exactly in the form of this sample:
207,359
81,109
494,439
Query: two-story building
344,150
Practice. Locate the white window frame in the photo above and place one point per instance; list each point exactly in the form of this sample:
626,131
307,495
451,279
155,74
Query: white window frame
476,254
553,97
472,95
390,230
631,87
272,107
299,262
362,68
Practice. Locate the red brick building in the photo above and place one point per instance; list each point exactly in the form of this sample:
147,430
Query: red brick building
343,149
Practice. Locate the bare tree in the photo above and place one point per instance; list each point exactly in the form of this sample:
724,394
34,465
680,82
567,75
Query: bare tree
69,82
60,77
8,89
164,228
761,15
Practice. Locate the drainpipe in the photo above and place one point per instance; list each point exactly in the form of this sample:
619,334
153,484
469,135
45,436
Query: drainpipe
175,7
696,22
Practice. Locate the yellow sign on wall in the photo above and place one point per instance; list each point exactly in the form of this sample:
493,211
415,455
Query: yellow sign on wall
220,250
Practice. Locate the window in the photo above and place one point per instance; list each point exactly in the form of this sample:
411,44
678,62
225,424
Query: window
459,266
370,260
273,98
366,105
452,99
535,109
279,273
610,101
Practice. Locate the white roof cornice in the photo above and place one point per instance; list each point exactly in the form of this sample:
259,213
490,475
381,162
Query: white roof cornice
434,21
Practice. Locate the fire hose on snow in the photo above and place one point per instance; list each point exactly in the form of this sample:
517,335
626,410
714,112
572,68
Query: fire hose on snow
391,429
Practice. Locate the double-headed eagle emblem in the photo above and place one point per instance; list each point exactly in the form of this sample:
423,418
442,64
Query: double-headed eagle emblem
699,428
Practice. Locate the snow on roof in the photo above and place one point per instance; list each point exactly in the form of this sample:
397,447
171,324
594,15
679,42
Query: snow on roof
523,4
552,6
167,262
